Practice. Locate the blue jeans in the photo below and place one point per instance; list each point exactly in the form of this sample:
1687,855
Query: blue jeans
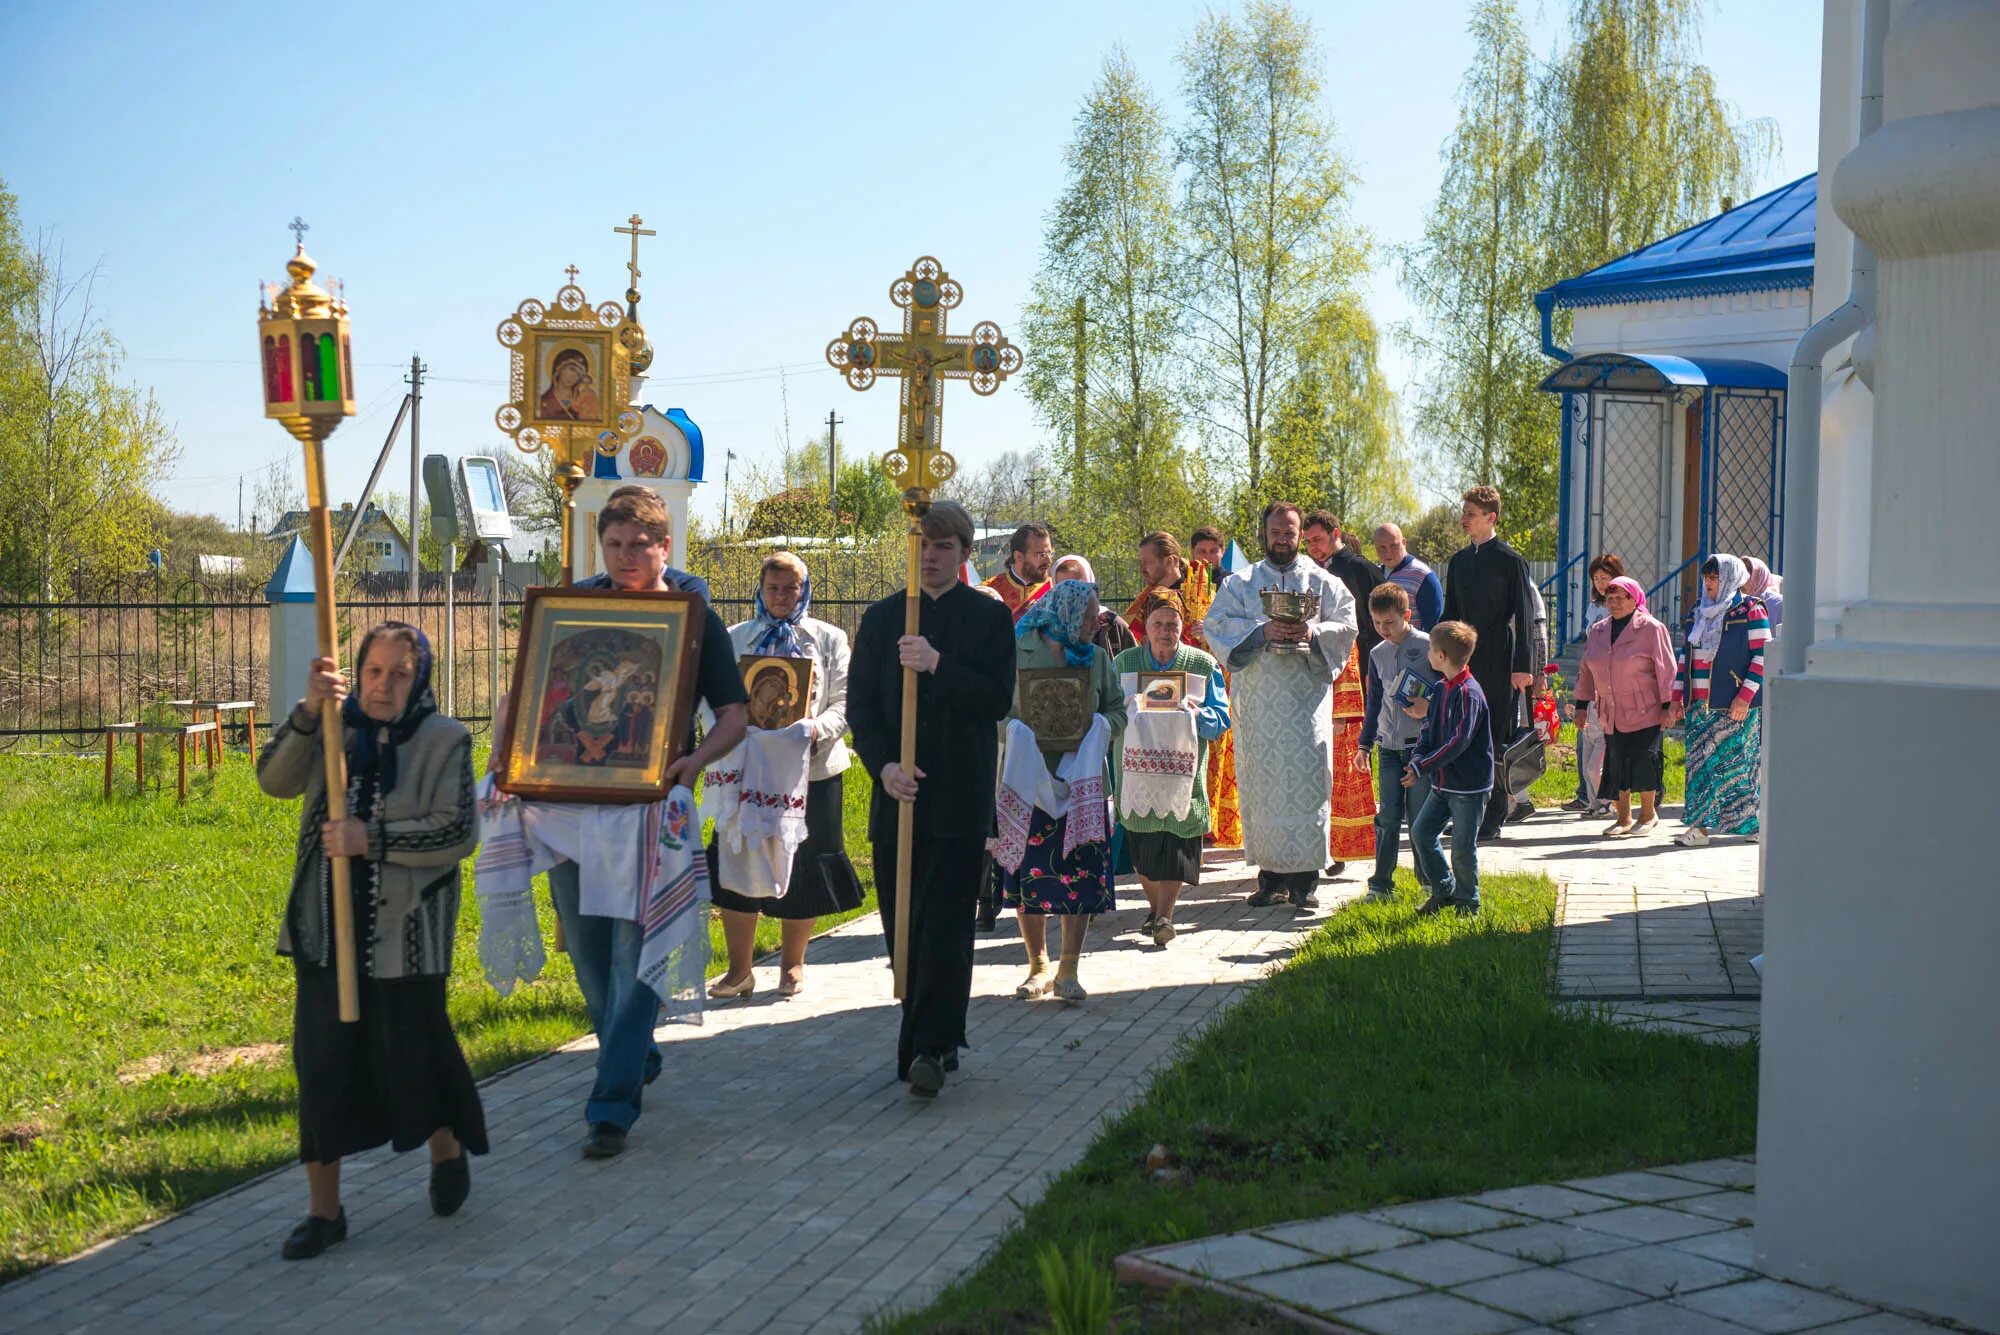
1394,804
623,1010
1458,882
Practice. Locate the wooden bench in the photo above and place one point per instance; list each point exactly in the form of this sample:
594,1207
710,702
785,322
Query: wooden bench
139,733
215,709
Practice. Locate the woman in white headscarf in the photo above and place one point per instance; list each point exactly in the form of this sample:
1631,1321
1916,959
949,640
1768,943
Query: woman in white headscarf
1720,688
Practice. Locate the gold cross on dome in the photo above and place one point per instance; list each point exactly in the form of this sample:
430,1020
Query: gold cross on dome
924,356
572,271
635,231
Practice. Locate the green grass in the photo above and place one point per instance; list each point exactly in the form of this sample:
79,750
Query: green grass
138,929
1558,783
1395,1058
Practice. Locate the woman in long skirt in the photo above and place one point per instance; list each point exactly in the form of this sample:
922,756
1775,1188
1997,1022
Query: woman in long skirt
396,1077
822,879
1721,688
1077,884
1161,767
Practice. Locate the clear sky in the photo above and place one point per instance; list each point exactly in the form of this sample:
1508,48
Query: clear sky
453,158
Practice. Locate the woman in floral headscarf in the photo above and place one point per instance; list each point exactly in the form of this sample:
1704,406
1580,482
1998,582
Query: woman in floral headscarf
1073,883
1720,686
1625,680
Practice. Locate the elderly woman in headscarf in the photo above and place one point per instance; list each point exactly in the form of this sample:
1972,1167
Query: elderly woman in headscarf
1074,885
397,1076
1766,588
822,879
1626,680
1111,634
1720,686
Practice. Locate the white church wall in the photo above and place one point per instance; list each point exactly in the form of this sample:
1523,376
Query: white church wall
1750,326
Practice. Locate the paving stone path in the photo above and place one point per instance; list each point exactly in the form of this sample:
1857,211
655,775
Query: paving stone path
1650,934
780,1180
1664,1252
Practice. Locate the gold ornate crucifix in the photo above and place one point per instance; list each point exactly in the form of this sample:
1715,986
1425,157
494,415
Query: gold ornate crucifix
635,231
923,357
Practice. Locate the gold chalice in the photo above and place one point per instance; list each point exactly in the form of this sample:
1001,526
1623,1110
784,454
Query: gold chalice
1293,608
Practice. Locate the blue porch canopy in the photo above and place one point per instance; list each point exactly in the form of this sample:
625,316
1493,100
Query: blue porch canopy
1658,373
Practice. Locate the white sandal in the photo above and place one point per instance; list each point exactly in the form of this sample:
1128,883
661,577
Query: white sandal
1692,837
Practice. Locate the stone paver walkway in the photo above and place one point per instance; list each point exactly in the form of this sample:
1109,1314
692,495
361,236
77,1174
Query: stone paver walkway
780,1180
1649,933
1664,1252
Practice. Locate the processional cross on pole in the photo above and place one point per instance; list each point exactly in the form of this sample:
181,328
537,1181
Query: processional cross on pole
924,356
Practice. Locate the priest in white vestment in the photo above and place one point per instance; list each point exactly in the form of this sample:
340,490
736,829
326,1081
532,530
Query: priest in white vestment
1284,707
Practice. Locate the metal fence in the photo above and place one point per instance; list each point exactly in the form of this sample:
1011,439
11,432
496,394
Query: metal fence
117,650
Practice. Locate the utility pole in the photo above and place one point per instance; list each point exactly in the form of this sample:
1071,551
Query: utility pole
239,503
1081,354
416,463
833,466
727,461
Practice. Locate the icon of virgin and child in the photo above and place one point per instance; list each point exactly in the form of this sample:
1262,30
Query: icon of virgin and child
571,395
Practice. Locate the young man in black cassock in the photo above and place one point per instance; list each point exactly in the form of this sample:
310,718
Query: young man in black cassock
1488,587
964,657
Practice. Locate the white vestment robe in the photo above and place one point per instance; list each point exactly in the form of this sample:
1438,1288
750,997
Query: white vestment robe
1284,711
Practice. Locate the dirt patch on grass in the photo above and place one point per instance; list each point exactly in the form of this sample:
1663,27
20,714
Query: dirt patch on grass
21,1135
202,1063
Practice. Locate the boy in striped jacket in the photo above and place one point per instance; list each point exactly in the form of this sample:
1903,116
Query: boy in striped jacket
1456,754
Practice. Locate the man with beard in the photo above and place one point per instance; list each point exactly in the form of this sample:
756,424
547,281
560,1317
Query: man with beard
1282,686
1488,587
1025,577
1351,836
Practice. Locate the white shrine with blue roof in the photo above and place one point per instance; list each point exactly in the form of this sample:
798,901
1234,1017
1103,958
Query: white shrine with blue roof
1673,396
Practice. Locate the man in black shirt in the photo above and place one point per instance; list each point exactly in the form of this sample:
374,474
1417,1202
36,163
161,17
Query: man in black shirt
1488,587
1357,572
632,530
963,654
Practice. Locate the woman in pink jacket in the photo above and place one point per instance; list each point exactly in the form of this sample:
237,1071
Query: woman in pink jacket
1627,678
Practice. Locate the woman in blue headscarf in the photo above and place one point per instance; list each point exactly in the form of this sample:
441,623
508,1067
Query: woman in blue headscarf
1056,632
396,1077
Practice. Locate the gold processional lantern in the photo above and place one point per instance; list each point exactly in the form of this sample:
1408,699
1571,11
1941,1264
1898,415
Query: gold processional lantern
308,373
570,384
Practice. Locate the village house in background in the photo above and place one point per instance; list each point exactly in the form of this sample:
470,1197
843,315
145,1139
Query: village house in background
379,548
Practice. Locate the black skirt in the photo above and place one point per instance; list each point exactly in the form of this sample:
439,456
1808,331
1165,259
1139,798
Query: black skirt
1633,762
823,880
392,1078
1160,856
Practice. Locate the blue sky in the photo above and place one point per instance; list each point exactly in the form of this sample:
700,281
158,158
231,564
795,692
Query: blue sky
452,159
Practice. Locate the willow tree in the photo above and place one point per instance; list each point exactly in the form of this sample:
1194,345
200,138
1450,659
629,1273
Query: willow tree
1334,440
1267,238
1473,277
1102,318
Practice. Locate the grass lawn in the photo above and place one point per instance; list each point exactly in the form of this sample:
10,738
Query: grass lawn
143,1011
1395,1058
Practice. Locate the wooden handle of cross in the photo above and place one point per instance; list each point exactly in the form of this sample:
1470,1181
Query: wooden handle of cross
906,823
333,743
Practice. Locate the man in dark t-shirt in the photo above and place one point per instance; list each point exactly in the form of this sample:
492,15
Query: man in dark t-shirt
963,653
632,529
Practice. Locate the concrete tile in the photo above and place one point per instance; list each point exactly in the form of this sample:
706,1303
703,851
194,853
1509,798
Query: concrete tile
1442,1263
1543,1202
1430,1314
1885,1323
1328,1288
1658,1317
1650,1223
1657,1272
1341,1235
1548,1243
1731,1247
1772,1306
1444,1218
1230,1256
1545,1294
1731,1207
1715,1172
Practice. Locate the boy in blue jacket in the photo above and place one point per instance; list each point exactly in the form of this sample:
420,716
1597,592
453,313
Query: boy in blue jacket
1455,753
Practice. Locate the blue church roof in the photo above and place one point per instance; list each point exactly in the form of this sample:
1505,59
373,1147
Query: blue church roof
1760,246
